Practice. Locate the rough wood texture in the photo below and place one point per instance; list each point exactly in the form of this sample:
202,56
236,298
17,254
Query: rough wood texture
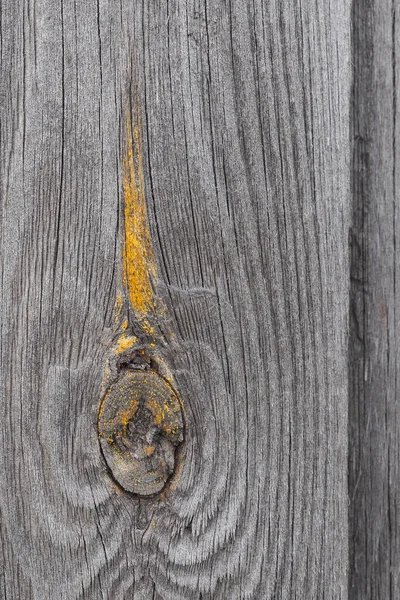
374,477
245,131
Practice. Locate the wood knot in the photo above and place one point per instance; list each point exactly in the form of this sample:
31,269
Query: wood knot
140,426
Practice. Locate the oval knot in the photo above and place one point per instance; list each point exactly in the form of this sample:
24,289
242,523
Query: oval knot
140,426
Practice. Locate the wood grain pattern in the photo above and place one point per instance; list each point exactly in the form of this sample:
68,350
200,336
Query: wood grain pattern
245,140
374,476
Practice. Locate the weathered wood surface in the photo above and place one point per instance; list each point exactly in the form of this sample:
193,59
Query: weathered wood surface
245,133
374,414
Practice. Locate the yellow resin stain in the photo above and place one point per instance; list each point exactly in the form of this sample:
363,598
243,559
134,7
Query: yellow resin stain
147,327
116,489
124,325
125,342
119,302
127,415
139,266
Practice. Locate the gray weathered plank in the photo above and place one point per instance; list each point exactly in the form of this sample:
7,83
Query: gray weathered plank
374,476
245,133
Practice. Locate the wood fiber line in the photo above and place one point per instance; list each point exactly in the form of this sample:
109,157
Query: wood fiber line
245,178
374,415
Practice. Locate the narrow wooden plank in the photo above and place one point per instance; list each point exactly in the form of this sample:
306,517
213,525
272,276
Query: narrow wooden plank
374,476
66,69
247,142
245,138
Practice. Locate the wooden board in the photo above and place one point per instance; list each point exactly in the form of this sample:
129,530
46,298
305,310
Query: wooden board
244,120
374,476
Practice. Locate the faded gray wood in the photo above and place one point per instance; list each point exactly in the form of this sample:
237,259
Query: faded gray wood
374,477
245,126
